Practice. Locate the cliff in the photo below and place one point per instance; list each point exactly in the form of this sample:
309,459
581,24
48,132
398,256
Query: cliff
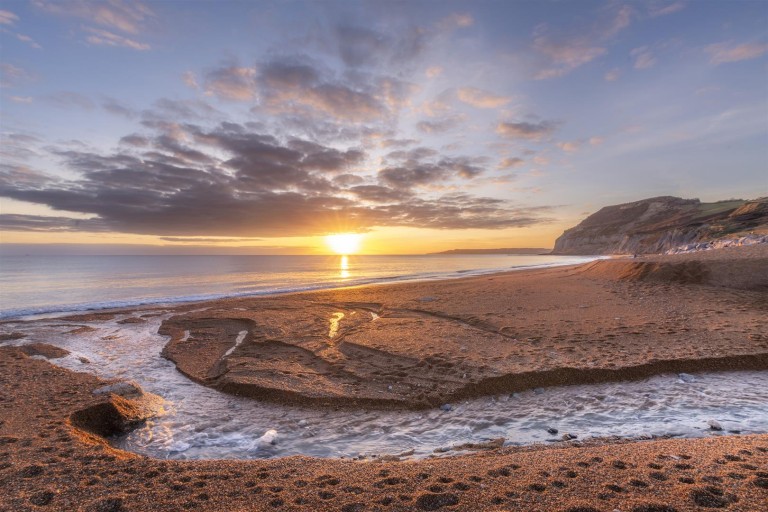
659,224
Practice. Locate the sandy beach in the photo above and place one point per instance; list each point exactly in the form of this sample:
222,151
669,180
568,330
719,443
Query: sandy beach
410,346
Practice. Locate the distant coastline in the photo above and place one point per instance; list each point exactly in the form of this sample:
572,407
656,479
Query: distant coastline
515,250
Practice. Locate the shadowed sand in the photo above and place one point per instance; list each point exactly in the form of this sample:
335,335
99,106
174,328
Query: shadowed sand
423,344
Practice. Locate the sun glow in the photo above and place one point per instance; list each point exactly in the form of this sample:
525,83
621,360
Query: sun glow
344,243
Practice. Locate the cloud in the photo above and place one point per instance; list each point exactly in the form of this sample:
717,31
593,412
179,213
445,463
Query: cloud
565,56
481,99
644,58
511,162
611,75
434,71
118,108
190,80
21,99
526,130
439,126
664,8
197,240
569,147
230,181
125,16
419,174
596,141
103,37
26,39
45,224
231,82
8,18
722,53
67,99
11,75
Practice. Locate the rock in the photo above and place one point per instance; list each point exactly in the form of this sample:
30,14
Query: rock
446,407
686,377
268,439
568,436
43,349
12,336
83,360
715,425
125,389
552,431
303,423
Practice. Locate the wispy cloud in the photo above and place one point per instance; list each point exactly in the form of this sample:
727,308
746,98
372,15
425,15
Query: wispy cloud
721,53
479,98
12,75
114,17
231,82
8,18
644,58
105,38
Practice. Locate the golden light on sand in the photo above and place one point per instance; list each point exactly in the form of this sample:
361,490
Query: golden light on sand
344,243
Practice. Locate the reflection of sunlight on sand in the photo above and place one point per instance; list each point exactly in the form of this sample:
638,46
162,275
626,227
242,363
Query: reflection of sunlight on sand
344,264
334,330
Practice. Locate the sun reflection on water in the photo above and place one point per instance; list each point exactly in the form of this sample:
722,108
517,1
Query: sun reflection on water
344,267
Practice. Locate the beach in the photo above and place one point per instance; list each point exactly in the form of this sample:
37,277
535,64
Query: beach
413,346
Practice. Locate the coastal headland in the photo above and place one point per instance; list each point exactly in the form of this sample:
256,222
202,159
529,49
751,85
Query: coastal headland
415,345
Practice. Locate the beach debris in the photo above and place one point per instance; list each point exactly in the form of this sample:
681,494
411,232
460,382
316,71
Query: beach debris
552,430
446,407
126,388
568,436
715,425
686,377
268,439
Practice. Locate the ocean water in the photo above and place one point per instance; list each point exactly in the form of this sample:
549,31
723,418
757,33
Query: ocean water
48,284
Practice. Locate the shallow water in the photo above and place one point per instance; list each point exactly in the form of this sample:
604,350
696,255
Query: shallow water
201,423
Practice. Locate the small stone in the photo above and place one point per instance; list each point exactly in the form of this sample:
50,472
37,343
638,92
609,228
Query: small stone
568,436
715,425
446,407
389,388
552,430
303,423
686,377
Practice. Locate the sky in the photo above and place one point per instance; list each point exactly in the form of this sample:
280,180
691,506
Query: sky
263,126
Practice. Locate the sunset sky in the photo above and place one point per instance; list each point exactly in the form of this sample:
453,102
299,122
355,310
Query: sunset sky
425,125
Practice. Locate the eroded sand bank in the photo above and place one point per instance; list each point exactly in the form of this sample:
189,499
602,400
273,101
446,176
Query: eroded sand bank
424,344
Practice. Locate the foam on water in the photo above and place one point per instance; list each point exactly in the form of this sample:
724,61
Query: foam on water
203,423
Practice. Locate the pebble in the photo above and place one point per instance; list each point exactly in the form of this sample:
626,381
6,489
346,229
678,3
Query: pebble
686,377
715,425
446,407
552,430
568,436
268,439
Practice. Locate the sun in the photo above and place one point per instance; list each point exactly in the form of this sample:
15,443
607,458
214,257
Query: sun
344,243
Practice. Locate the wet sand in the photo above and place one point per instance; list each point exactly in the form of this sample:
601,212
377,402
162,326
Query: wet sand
592,318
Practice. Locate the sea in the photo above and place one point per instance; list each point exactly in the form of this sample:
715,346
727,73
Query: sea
34,285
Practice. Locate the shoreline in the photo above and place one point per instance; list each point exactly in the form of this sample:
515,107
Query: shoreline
172,302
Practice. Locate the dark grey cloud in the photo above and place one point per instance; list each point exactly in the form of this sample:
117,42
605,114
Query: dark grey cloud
379,194
362,46
37,223
415,174
439,125
229,181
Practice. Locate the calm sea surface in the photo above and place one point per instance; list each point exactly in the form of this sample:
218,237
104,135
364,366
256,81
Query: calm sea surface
48,284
